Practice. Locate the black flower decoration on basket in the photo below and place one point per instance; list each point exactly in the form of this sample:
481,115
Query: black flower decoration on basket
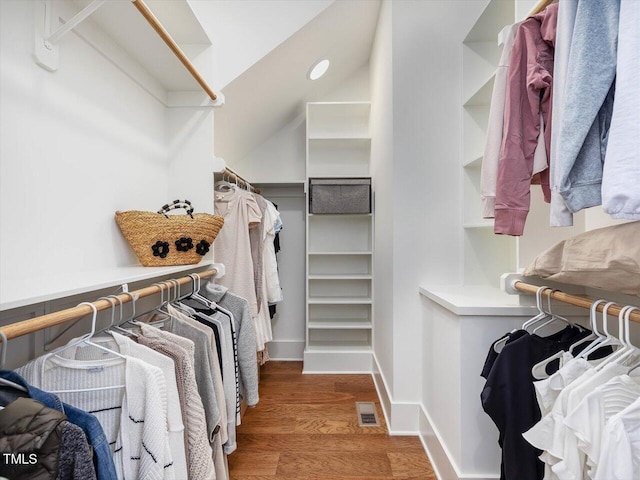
203,247
184,244
160,249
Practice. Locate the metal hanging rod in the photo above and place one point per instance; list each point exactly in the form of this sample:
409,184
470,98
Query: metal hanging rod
575,300
36,324
237,178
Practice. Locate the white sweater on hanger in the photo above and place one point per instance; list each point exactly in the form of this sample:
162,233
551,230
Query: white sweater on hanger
133,417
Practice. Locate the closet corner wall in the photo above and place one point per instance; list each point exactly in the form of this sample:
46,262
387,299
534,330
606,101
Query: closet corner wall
339,247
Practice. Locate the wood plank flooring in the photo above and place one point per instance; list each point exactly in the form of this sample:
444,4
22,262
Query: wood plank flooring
305,428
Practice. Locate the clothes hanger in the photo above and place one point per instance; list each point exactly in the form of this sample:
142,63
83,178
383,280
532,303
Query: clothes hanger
602,337
116,327
627,349
131,319
539,370
595,335
611,340
500,344
553,318
195,294
632,348
542,314
223,186
86,339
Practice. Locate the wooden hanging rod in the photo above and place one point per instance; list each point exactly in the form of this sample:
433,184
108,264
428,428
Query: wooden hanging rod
540,6
237,178
575,300
36,324
175,48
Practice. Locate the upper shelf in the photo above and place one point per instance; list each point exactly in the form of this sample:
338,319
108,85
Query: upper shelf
29,291
482,96
170,55
495,16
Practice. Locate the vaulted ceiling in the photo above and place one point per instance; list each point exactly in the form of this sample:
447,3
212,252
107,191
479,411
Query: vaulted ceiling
274,91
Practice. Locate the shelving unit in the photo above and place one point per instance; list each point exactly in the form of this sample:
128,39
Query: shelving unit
485,254
339,312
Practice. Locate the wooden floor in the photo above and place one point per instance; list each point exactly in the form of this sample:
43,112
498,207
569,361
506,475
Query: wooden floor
305,428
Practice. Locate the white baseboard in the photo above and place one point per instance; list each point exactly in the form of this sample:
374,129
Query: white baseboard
441,459
401,417
286,350
412,419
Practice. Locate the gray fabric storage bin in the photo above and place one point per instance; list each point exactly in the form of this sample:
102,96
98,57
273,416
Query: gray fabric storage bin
339,195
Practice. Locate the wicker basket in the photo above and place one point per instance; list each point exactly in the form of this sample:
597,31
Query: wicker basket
159,239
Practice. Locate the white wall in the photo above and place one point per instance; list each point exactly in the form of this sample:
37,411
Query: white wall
289,323
244,32
427,210
381,71
78,144
281,158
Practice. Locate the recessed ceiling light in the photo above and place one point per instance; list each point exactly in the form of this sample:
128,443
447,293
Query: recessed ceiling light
318,69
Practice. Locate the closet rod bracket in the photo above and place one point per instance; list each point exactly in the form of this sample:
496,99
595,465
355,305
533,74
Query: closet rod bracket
220,270
46,50
508,283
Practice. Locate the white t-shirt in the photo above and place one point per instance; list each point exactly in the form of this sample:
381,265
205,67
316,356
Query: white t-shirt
572,460
548,390
620,452
587,421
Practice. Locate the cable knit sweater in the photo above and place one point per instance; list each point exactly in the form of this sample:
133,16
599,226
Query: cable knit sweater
181,350
133,417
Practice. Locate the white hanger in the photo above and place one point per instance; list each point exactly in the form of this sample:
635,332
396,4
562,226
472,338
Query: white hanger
602,337
222,185
553,318
116,327
195,294
542,314
611,340
627,349
595,335
500,344
86,340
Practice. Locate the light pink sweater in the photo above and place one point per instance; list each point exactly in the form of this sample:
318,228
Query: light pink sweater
529,92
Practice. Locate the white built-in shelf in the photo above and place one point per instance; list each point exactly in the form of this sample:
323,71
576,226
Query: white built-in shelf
475,162
341,253
340,277
482,96
345,138
338,215
481,300
337,346
479,225
495,16
340,301
28,291
332,324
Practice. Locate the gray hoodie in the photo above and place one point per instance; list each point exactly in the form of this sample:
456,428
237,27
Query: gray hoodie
588,104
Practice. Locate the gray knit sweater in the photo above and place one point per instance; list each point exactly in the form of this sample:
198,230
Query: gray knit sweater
245,334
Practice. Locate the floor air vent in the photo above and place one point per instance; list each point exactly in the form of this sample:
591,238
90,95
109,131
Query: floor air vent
367,415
